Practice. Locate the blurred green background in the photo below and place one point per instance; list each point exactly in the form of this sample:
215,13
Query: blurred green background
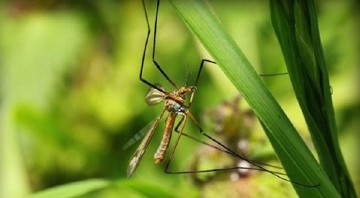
71,97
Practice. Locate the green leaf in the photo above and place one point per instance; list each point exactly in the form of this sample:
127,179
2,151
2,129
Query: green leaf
148,189
73,189
296,158
295,23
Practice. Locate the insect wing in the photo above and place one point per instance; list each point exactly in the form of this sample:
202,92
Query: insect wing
139,135
137,156
154,96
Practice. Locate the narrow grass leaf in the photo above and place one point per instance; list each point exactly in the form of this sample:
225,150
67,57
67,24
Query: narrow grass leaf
295,24
74,189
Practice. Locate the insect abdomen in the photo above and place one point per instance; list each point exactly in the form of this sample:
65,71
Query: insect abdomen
164,144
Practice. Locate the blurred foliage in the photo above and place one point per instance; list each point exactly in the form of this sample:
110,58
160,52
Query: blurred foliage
71,98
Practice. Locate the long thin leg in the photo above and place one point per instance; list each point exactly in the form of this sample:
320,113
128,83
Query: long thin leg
144,53
209,61
188,113
200,70
203,61
222,150
154,47
182,123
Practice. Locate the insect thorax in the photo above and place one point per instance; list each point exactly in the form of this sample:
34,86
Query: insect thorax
175,101
173,106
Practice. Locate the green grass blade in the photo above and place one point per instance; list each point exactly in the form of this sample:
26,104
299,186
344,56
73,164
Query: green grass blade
296,158
74,189
295,23
147,189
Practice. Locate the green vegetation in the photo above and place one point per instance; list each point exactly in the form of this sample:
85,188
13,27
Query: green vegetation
71,98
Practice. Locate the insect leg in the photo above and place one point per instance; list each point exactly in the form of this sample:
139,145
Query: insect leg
144,53
243,158
226,151
154,48
203,61
181,124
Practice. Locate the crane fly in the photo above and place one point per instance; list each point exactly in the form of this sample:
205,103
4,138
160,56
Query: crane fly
174,104
177,103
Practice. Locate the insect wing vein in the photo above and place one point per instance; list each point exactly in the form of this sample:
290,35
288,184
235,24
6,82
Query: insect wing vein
139,135
138,154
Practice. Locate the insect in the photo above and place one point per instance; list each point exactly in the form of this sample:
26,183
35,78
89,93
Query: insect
177,103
